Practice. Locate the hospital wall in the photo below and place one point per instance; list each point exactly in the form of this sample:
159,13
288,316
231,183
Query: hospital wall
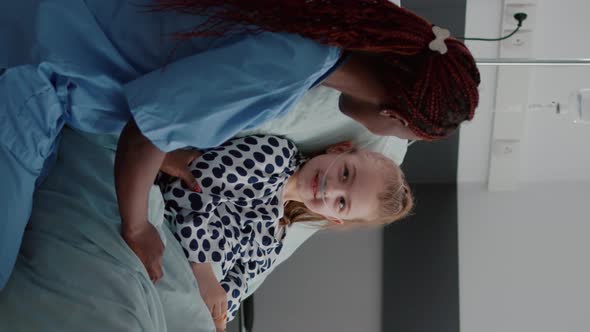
553,149
524,258
332,283
523,254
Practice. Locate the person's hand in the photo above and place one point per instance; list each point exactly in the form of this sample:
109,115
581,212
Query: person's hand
176,164
215,298
220,324
147,245
213,294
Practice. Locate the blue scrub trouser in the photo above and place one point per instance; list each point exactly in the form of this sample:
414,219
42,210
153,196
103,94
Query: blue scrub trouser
30,122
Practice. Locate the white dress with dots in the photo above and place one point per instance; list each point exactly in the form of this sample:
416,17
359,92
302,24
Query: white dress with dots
234,221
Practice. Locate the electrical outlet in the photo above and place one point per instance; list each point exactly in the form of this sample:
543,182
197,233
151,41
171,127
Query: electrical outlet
509,22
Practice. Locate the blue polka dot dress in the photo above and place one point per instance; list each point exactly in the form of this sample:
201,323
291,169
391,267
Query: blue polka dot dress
234,221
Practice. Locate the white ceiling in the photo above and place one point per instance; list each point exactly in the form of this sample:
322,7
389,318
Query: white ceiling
553,149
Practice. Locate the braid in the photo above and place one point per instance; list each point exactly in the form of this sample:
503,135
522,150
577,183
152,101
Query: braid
434,92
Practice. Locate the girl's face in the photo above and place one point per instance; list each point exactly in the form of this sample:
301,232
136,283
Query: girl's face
353,182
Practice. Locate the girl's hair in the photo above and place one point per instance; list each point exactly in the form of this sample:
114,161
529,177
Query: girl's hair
434,92
395,202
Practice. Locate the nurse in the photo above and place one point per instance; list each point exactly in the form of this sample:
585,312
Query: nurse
172,74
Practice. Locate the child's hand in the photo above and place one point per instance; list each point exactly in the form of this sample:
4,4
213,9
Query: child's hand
216,300
220,324
176,164
212,293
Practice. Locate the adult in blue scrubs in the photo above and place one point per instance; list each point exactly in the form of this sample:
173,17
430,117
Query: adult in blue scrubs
109,66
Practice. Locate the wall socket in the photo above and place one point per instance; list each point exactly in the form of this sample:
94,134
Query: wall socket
509,23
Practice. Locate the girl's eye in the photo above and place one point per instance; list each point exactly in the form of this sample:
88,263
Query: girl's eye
345,173
341,204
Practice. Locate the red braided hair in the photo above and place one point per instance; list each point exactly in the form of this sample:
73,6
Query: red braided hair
434,92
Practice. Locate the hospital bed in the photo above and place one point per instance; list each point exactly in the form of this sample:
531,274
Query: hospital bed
76,273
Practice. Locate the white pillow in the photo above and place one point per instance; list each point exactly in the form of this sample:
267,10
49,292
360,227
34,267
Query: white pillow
316,123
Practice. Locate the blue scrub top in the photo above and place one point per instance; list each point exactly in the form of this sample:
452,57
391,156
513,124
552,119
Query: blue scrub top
108,60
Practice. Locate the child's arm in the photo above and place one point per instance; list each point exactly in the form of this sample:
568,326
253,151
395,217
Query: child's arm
212,293
237,281
235,285
203,241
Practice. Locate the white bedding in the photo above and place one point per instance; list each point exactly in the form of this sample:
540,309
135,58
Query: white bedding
316,122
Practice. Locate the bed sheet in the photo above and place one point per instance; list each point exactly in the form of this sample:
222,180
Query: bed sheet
75,272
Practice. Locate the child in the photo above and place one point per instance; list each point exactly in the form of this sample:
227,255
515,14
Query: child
253,187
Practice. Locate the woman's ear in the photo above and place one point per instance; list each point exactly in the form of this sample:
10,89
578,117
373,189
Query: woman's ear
335,221
389,113
341,147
